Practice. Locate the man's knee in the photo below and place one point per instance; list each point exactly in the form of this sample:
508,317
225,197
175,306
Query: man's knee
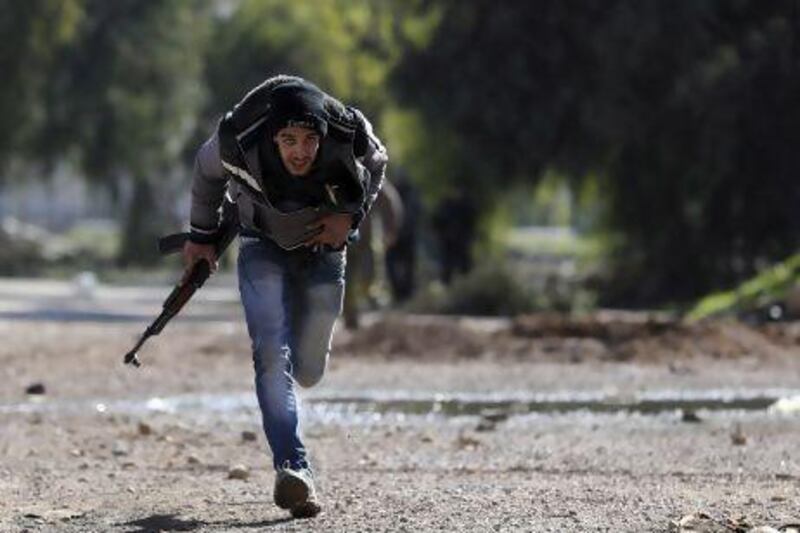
308,375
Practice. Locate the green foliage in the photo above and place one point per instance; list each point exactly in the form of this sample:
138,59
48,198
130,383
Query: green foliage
347,47
491,289
125,92
673,123
691,140
767,287
499,286
33,34
123,97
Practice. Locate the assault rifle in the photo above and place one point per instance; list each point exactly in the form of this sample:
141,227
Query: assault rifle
198,275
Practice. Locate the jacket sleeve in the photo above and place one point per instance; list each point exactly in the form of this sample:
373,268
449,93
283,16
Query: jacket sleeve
374,160
208,189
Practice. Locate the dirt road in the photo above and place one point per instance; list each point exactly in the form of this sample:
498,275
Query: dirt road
421,424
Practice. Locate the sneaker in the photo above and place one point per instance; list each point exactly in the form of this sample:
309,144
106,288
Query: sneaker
294,490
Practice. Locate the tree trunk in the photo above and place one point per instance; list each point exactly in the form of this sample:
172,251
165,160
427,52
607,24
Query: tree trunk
143,226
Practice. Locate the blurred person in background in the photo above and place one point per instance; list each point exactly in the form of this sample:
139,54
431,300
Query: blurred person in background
303,171
365,257
401,255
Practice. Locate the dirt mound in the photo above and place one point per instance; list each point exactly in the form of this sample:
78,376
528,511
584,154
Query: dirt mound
627,335
644,336
415,336
605,335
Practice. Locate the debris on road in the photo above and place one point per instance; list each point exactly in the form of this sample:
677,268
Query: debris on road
738,438
35,389
239,472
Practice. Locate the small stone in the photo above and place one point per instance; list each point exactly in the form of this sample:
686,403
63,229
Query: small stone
193,460
494,415
690,416
35,388
76,452
693,522
249,436
120,449
778,498
426,438
465,441
62,515
131,490
738,438
239,472
486,425
144,429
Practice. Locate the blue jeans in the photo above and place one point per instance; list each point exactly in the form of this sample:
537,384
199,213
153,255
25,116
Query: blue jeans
291,300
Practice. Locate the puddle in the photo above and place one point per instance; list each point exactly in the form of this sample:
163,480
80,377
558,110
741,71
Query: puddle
377,405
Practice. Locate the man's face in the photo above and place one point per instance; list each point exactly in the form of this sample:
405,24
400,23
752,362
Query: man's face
298,148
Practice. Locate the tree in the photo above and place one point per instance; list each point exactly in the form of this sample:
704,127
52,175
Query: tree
33,33
682,109
123,96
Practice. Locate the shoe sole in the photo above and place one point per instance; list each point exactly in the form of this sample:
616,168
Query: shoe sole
291,492
308,509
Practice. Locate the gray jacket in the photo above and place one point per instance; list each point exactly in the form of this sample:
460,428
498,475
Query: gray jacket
212,181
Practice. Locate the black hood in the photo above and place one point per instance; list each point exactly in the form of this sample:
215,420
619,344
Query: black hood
297,103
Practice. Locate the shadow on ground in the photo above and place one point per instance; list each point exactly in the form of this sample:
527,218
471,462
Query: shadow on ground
171,522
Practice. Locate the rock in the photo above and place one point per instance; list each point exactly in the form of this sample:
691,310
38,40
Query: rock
35,389
738,438
144,429
239,472
679,369
697,523
690,416
249,436
486,425
61,515
465,441
120,449
193,460
494,415
368,459
763,529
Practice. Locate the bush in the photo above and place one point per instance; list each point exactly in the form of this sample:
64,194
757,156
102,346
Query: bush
496,288
769,286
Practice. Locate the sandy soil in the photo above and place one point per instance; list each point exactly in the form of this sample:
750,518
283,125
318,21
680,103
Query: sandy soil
71,465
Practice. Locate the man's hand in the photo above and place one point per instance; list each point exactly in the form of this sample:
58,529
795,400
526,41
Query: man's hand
194,252
333,230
